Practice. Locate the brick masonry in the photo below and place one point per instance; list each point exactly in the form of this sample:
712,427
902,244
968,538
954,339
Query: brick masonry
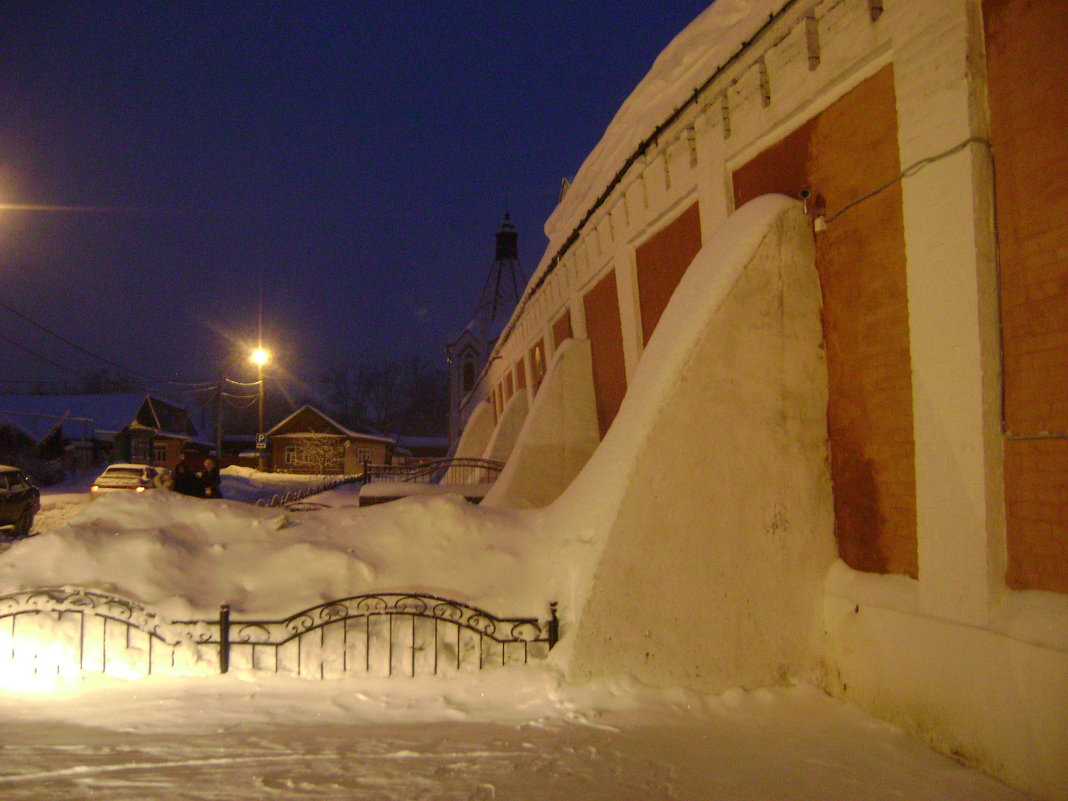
1027,64
605,333
660,263
841,154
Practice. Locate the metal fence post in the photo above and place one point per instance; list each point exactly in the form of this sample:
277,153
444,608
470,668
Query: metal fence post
224,638
554,625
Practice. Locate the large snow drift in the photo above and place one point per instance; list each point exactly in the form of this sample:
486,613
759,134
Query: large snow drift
184,556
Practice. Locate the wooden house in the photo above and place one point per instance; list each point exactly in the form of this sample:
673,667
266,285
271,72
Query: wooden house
308,441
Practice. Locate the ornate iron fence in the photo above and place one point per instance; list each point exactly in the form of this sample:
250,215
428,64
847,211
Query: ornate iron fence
293,496
62,630
437,471
67,631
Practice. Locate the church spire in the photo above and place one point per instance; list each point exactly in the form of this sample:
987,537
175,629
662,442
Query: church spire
503,286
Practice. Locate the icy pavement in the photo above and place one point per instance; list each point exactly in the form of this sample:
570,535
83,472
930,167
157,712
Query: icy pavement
514,734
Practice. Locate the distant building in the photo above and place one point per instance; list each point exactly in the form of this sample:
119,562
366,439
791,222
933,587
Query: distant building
95,429
468,353
310,442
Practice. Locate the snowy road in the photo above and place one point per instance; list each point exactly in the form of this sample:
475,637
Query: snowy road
516,735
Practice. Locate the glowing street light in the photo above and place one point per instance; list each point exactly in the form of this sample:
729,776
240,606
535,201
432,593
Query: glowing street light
260,357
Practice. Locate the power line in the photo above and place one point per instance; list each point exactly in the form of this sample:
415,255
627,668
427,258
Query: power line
35,354
122,368
64,340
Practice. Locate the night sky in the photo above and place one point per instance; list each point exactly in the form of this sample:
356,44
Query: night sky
348,162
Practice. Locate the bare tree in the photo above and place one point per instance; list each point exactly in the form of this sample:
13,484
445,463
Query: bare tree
342,394
393,396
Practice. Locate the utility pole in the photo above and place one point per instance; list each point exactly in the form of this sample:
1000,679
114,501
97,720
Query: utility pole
219,421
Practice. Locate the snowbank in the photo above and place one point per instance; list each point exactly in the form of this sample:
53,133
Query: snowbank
184,556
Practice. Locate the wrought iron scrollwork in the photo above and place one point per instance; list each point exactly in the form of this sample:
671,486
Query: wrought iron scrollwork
226,632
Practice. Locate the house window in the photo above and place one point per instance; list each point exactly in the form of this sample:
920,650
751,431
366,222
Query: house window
289,456
159,452
363,454
139,450
469,376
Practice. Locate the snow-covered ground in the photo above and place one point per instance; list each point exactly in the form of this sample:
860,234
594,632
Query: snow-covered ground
60,502
517,734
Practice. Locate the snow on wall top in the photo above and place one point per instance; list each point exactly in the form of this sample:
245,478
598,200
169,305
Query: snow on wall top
686,63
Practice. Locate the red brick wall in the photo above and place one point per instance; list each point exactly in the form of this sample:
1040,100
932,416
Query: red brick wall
605,333
844,152
537,363
661,262
1027,65
562,329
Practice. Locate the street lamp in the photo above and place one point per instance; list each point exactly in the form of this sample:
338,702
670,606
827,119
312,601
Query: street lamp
259,358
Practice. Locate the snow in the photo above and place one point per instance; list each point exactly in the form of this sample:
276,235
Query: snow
686,63
516,734
247,484
184,556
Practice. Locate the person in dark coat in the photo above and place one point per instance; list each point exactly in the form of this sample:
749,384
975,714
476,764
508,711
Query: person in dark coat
183,479
210,480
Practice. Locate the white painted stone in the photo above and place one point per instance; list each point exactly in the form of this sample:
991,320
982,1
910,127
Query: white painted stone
558,436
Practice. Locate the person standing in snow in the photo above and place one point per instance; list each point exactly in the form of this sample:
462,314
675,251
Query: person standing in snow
183,480
210,480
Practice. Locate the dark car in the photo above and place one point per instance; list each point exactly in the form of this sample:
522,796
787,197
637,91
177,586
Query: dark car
19,502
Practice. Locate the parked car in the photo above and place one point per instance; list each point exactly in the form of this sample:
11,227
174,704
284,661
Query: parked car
128,477
20,501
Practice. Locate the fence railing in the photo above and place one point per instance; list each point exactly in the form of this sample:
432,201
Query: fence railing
437,471
65,631
300,494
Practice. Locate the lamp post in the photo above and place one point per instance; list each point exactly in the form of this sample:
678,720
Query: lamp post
259,358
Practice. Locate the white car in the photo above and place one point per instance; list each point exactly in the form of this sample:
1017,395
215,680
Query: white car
128,477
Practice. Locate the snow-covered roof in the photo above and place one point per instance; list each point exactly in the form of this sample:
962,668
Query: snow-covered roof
96,413
99,416
348,432
7,422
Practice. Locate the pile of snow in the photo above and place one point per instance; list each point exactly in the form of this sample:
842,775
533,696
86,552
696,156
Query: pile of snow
184,556
249,485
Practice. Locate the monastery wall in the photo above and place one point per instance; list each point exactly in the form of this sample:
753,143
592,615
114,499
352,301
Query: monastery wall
946,611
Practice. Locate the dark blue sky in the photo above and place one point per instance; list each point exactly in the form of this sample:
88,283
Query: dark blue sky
358,156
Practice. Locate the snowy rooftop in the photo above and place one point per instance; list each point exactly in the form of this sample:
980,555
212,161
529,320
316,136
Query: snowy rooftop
38,414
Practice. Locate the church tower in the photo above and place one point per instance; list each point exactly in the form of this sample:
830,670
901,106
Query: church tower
468,352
